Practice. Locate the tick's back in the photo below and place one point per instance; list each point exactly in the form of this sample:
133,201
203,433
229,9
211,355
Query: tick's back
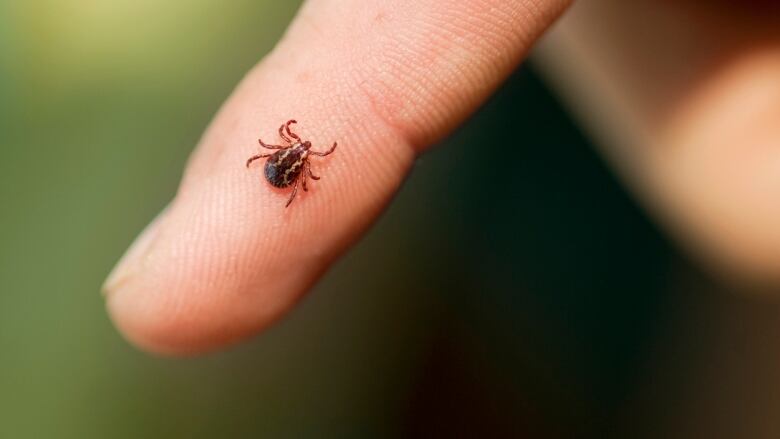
284,167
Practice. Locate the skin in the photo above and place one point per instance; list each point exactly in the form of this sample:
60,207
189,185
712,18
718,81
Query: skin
225,259
684,98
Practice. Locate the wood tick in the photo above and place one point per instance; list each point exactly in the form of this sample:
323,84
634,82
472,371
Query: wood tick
290,164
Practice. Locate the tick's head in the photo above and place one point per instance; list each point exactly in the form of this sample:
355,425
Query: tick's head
306,145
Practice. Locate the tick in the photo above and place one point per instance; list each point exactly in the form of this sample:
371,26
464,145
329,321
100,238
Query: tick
290,164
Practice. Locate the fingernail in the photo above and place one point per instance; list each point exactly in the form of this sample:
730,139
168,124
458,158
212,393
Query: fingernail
130,263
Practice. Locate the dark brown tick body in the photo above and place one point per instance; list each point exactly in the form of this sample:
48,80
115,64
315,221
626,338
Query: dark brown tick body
290,164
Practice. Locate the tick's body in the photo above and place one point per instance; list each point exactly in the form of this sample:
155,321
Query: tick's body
285,166
290,164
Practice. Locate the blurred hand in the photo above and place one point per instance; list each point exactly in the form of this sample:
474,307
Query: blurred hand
684,98
383,79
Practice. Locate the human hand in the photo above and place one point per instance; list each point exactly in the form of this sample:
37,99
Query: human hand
684,99
383,80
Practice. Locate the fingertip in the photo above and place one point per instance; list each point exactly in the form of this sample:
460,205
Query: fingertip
149,331
163,331
170,322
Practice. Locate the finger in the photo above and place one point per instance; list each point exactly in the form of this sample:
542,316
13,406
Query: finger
383,80
689,116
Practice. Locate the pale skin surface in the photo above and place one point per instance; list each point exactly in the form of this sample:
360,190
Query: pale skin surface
383,79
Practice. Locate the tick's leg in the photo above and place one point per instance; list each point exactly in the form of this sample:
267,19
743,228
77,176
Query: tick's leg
308,171
295,190
290,133
265,145
304,177
255,157
282,135
323,154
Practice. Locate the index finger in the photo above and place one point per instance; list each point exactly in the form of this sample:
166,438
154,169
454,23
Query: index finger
384,81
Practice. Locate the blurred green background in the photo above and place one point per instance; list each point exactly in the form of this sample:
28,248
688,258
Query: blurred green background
537,302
